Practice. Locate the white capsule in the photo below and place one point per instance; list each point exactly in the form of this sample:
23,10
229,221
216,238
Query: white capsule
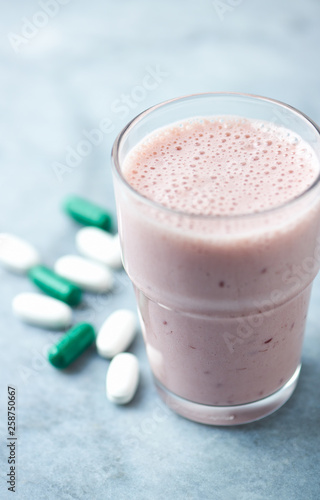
17,254
88,275
116,333
41,310
99,245
122,378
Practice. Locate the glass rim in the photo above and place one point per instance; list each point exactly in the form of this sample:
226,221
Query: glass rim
115,163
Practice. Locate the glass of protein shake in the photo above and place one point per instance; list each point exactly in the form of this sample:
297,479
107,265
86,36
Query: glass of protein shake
218,201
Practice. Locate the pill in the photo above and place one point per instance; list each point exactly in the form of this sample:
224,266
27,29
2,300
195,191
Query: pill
99,245
122,378
56,286
87,213
71,345
17,254
88,275
116,333
41,310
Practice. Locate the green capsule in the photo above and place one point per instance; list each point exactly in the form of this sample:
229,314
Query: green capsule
87,213
71,345
56,286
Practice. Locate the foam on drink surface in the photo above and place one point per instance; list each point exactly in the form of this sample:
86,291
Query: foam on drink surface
221,166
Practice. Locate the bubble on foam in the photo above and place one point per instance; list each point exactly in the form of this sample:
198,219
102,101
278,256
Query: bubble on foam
196,166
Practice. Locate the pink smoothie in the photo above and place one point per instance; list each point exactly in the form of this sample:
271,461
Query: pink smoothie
223,299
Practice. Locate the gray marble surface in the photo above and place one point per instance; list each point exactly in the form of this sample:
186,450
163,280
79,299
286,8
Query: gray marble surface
81,68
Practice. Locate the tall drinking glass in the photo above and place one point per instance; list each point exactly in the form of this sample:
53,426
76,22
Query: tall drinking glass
222,299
